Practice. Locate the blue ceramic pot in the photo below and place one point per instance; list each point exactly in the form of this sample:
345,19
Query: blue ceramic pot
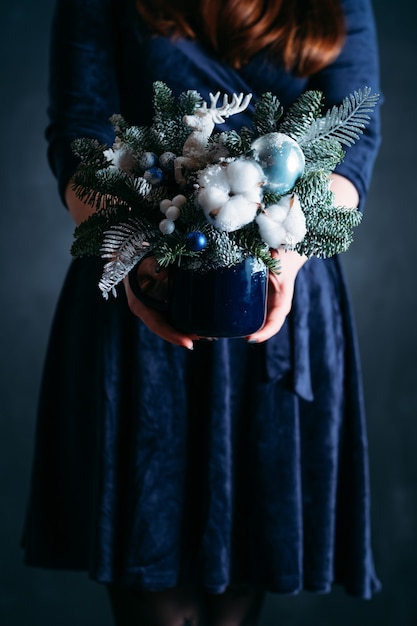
222,302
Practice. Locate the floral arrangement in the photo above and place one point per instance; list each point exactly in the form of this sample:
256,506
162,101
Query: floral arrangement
201,198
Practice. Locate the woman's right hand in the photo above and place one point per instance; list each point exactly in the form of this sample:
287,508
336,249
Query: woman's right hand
154,282
156,321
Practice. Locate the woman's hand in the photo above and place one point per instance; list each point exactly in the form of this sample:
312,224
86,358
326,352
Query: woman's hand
281,286
154,282
280,294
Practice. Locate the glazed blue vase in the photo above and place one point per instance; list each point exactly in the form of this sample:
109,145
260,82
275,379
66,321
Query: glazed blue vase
222,302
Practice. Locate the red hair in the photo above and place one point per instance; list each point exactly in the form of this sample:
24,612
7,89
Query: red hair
305,35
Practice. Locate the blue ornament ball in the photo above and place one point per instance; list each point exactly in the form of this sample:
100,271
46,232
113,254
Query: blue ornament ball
281,159
154,176
166,161
196,241
147,160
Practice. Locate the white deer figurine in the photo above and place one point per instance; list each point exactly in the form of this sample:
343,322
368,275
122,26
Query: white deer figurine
202,123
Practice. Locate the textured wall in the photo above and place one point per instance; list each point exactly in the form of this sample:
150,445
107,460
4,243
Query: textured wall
36,234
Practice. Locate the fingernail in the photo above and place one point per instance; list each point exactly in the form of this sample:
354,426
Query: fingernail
251,341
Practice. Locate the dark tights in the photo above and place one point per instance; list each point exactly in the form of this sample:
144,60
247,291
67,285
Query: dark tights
186,606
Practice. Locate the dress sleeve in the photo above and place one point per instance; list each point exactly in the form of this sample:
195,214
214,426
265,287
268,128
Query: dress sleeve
83,90
356,67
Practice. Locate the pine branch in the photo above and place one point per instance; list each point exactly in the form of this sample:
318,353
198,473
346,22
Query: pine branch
268,111
301,114
313,190
168,129
125,244
126,240
249,240
329,231
346,122
270,197
323,154
113,273
170,249
232,141
137,138
100,187
188,102
89,235
90,151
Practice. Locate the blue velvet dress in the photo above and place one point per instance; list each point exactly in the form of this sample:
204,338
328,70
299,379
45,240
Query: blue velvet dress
233,463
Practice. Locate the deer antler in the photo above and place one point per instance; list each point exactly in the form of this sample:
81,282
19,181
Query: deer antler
237,105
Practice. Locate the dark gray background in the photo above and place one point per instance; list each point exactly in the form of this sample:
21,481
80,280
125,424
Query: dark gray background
35,237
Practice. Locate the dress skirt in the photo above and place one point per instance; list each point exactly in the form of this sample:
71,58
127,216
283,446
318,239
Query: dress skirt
232,463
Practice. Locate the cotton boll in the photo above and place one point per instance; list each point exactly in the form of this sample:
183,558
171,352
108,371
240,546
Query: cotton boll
214,176
244,175
277,212
254,195
283,223
295,223
273,233
234,214
212,199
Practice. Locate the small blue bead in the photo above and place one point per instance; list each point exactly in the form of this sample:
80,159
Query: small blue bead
196,241
154,176
166,161
147,160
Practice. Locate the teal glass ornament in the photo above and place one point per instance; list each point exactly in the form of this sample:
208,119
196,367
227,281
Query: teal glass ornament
281,159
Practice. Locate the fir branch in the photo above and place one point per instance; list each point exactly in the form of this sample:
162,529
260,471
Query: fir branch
163,102
137,138
113,273
269,197
170,249
168,129
188,102
119,124
99,188
125,244
249,240
234,144
126,240
89,235
323,154
90,151
329,231
301,114
313,190
346,122
267,113
222,249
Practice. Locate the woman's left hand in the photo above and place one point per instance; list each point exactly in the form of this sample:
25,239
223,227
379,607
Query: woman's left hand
280,294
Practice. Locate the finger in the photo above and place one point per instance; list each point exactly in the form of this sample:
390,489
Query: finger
158,323
271,327
278,307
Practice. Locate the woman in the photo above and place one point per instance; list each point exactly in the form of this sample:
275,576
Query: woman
191,481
